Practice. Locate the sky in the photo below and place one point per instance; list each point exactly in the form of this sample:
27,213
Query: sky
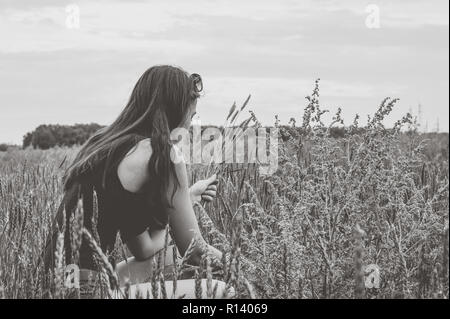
76,61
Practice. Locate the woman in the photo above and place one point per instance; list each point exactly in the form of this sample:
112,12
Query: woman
139,188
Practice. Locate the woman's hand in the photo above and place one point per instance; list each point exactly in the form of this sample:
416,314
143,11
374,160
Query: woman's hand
204,190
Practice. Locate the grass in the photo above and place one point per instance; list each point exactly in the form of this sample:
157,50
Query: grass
335,205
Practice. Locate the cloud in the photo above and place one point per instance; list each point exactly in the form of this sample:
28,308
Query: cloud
272,49
281,25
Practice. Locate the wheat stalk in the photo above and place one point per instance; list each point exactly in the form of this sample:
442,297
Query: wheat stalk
106,266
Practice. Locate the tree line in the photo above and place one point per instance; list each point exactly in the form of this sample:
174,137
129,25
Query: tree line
48,136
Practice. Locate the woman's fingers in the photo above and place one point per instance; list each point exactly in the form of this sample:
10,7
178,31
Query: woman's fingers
211,190
209,193
207,198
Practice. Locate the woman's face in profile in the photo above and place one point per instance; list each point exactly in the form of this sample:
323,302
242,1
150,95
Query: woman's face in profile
191,113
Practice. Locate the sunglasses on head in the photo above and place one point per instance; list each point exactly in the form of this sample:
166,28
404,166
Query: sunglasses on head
197,80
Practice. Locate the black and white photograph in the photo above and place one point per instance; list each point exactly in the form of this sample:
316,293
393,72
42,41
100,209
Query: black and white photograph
250,152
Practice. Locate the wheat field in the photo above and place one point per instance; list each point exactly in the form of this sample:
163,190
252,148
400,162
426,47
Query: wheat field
374,196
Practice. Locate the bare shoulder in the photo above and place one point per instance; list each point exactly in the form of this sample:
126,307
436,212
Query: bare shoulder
132,170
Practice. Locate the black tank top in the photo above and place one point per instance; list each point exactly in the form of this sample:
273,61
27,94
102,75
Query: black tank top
119,211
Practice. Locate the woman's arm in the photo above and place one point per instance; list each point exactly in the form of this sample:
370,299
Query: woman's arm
147,244
182,218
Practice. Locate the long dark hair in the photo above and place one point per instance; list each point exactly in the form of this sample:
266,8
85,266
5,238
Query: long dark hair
158,104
